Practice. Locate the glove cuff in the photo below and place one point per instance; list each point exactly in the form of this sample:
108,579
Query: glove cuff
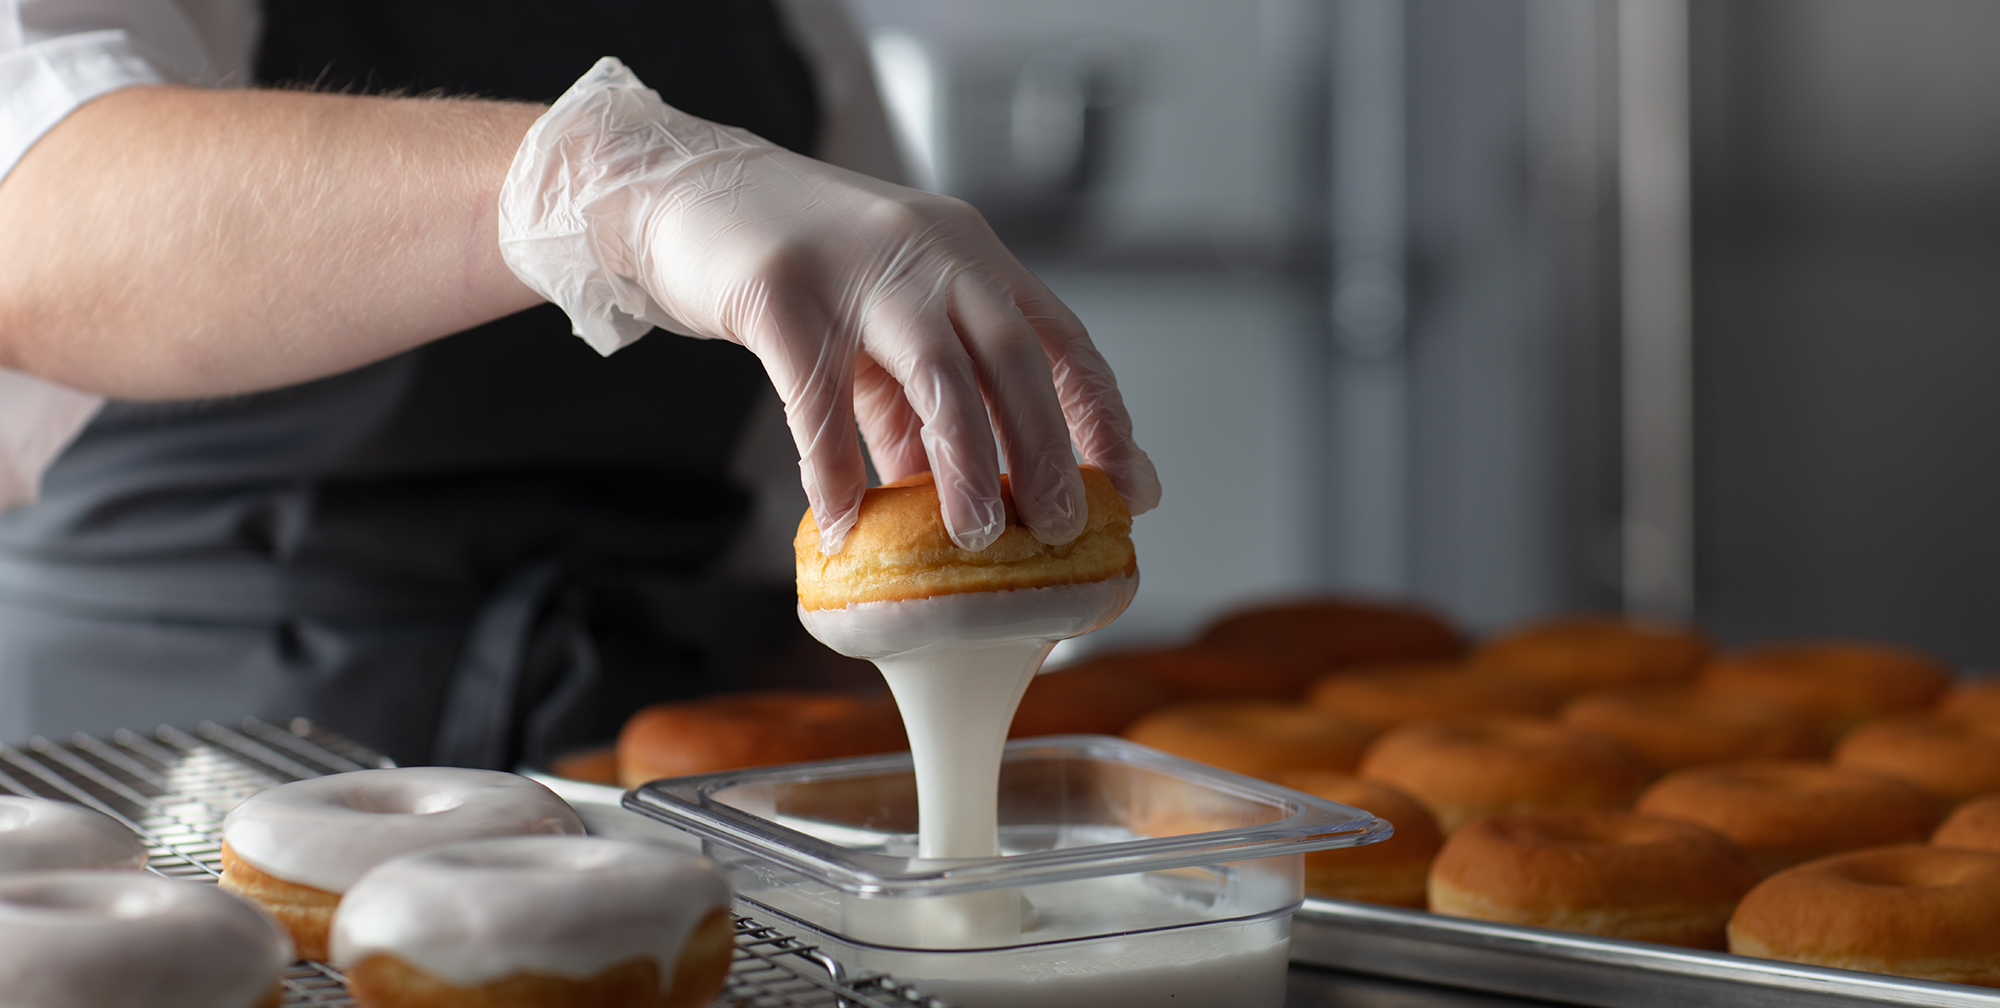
568,228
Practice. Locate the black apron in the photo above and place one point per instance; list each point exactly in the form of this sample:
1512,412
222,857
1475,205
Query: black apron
481,552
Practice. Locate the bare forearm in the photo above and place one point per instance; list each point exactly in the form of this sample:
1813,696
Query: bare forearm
176,243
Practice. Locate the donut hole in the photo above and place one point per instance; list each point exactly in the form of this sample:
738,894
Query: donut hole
398,799
112,897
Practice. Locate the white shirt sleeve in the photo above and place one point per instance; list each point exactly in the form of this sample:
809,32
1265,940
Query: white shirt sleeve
55,55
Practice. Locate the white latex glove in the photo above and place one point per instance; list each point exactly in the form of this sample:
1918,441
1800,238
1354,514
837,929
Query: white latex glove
864,300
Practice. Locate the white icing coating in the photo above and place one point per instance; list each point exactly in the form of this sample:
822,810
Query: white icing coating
37,834
958,665
326,832
475,912
886,629
96,939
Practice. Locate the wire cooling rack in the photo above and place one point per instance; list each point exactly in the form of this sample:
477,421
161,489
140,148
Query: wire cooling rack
173,789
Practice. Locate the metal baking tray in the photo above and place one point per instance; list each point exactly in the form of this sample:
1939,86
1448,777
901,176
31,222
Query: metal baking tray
1586,970
174,787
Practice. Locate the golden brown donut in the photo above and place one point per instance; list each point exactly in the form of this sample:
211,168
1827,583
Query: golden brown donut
1975,702
1466,767
1383,696
1255,737
1838,683
1675,727
1394,871
899,549
1914,911
1577,653
306,913
1198,673
1783,812
1597,871
1326,633
1094,701
1952,759
736,730
1973,825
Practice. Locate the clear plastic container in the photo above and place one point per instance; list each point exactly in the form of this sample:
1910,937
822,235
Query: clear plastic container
1129,877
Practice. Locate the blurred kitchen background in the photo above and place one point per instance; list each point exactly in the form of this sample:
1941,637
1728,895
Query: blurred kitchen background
1515,306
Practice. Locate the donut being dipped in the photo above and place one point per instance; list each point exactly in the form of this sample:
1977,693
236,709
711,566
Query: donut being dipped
294,849
37,834
537,921
1925,912
127,939
958,634
1597,871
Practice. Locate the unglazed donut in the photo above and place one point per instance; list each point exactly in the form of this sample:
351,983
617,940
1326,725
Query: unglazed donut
1255,737
1952,759
1597,871
99,939
1327,633
1838,683
736,730
1092,701
1783,812
37,834
1394,871
536,920
294,849
1976,702
1463,768
1577,653
1924,912
1383,696
1199,673
1675,727
1973,825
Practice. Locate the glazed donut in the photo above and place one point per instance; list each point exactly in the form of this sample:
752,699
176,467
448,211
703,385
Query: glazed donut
1466,767
1254,737
1598,871
1383,696
98,939
736,730
1952,759
1783,812
1391,872
1675,727
535,921
1198,673
1973,825
1578,653
1327,633
1923,912
1089,701
37,834
294,849
1839,684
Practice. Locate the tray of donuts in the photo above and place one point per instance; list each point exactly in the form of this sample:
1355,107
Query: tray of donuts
259,866
1597,811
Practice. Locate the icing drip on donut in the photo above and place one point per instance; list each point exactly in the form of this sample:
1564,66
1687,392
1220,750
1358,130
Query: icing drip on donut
472,913
325,832
37,834
96,939
958,665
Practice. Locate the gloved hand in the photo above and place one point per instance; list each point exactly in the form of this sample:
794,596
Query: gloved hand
864,300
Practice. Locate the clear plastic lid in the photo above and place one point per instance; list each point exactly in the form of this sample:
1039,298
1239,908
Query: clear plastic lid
1071,807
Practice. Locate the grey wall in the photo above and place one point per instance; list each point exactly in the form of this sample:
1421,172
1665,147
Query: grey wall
1848,320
